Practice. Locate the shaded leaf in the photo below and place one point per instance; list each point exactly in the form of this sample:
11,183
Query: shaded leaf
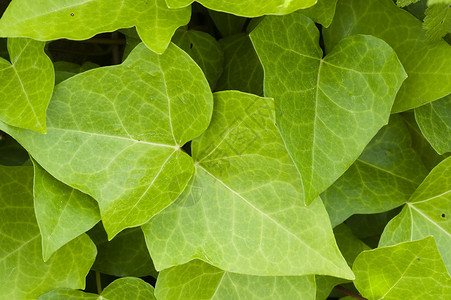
81,19
198,280
382,178
250,8
131,164
11,152
243,210
434,120
327,109
23,273
227,24
411,270
65,70
322,12
428,65
27,85
427,212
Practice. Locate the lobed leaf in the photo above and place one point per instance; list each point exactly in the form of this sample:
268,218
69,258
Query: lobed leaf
437,22
322,12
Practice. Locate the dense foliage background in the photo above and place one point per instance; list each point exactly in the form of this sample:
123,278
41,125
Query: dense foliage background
225,149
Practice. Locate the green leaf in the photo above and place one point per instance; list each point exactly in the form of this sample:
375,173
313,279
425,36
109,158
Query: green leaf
198,280
64,70
27,85
62,212
249,8
402,3
431,2
428,212
204,50
322,12
120,289
434,120
132,164
382,178
242,211
11,153
427,65
411,270
341,99
23,273
437,22
81,19
125,255
227,24
242,68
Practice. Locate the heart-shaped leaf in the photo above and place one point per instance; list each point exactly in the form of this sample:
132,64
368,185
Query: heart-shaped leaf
242,211
27,84
327,109
81,19
130,161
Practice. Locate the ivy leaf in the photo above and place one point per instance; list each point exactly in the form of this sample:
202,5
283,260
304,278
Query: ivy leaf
411,270
62,212
382,178
426,213
322,12
11,153
122,288
198,280
402,3
437,22
427,65
23,273
227,24
250,8
132,164
341,102
242,68
27,85
65,70
125,255
80,19
242,211
434,120
204,50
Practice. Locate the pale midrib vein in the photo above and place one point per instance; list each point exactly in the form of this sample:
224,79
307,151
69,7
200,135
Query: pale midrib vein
400,278
384,170
20,247
315,120
219,285
169,101
436,196
264,214
112,137
411,206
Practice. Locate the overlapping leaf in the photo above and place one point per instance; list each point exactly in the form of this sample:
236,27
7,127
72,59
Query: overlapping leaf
120,289
411,270
437,22
434,120
428,65
249,8
115,133
23,273
81,19
382,178
198,280
242,211
65,70
322,12
426,213
327,109
227,24
11,153
27,84
62,212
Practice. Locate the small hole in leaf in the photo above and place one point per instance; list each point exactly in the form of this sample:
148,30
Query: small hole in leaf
72,14
191,45
441,22
443,215
418,258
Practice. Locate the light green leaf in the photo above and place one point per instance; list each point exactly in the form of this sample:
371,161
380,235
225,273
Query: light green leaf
27,85
227,24
120,289
242,211
382,178
402,3
434,120
437,22
327,109
322,12
248,8
23,273
132,164
242,68
65,70
125,255
62,212
428,212
204,50
11,153
431,2
411,270
81,19
428,65
198,280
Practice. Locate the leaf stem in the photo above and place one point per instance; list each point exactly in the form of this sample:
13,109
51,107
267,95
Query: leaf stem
348,292
98,283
